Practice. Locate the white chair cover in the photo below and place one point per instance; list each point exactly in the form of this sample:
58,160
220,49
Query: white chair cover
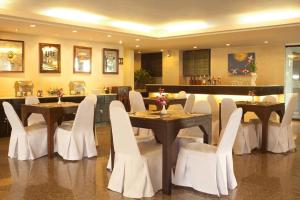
34,118
137,169
207,168
189,104
215,118
246,138
77,141
180,95
26,143
280,136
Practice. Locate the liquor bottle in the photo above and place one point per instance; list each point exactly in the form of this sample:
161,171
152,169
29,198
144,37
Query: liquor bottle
204,80
208,81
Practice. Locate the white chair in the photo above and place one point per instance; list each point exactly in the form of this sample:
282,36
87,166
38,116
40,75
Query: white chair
280,135
180,95
246,138
34,118
208,168
73,142
137,169
189,104
215,118
137,105
26,143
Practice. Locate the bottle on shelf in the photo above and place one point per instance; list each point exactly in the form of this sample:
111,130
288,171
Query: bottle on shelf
219,80
209,81
204,80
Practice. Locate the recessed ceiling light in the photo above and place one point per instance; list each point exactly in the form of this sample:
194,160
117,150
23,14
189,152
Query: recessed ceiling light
161,50
120,42
195,47
139,52
74,31
266,41
137,39
32,25
109,36
228,44
16,30
137,46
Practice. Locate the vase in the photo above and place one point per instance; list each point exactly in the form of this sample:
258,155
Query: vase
163,110
253,79
59,100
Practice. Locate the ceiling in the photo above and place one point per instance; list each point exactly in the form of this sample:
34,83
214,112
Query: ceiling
158,24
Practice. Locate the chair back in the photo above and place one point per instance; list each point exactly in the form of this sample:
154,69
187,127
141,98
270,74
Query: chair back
188,106
13,118
116,103
290,109
214,106
84,117
123,136
93,98
202,107
270,99
31,100
230,131
227,108
181,95
136,101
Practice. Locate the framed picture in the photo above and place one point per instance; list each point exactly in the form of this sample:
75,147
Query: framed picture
82,62
11,56
49,58
110,61
238,63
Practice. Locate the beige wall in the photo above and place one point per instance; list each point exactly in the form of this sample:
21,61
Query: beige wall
95,80
129,67
172,67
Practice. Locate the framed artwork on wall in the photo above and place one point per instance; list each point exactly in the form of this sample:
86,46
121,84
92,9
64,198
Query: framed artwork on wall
82,62
11,56
110,61
239,63
49,58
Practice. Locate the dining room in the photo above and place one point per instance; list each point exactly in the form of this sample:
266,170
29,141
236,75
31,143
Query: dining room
149,99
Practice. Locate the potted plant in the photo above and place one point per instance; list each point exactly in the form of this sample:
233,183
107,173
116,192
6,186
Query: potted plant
253,69
142,77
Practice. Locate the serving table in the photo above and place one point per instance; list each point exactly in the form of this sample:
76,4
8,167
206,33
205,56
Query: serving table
263,110
170,101
165,129
52,113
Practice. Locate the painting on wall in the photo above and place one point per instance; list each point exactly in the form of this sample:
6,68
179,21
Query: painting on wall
82,59
239,63
110,61
49,58
11,56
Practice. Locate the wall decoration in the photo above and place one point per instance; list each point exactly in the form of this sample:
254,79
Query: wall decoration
49,58
121,61
239,63
110,61
82,62
11,56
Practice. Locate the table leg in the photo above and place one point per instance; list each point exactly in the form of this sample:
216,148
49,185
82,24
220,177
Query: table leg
264,117
207,131
50,132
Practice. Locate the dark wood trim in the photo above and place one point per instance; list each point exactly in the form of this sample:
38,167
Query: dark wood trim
117,61
41,45
74,56
23,56
217,89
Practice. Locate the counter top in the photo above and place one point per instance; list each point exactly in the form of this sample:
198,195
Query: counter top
50,96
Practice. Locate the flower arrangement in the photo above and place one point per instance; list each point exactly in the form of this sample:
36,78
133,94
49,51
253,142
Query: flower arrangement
162,100
252,94
251,64
106,90
60,93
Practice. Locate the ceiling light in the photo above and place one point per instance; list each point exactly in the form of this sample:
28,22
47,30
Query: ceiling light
184,27
228,44
266,42
139,52
16,30
74,31
161,50
195,47
267,16
137,46
109,36
120,42
132,26
137,39
73,15
32,25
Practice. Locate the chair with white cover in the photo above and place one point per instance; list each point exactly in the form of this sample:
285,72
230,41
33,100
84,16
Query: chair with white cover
215,118
208,168
26,143
280,135
189,104
73,142
137,168
137,105
34,117
180,95
246,138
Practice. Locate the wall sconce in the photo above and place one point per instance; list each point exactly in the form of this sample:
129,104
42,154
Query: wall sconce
169,53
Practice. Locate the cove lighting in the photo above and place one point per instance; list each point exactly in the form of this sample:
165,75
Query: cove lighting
73,15
131,26
184,27
269,16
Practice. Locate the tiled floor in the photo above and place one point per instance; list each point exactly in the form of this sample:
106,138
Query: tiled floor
260,177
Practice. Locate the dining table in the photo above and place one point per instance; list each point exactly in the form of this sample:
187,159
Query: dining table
165,128
170,101
263,111
53,114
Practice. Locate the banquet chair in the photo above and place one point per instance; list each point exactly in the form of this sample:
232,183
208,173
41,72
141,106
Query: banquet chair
246,138
137,105
208,168
26,143
75,141
215,118
180,95
280,135
137,168
34,117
